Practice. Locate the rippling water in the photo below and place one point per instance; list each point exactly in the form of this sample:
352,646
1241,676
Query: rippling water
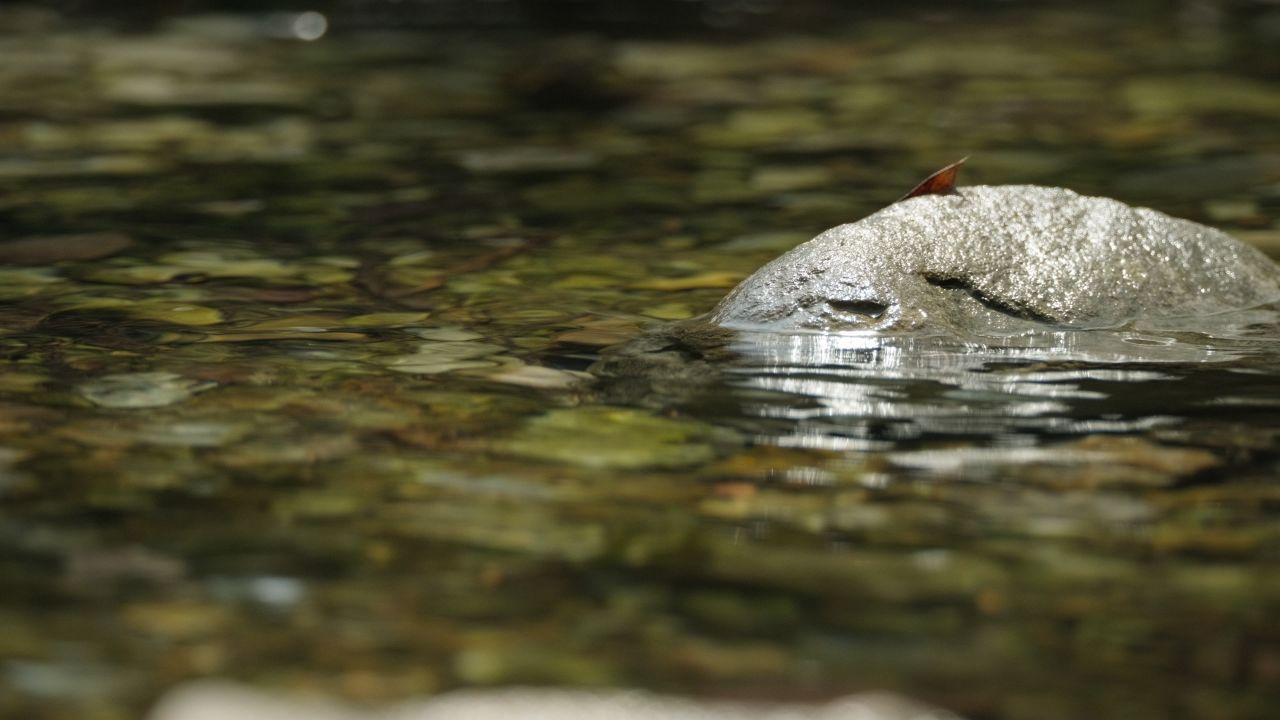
867,391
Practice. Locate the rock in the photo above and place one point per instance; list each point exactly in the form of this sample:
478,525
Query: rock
607,437
1000,257
526,160
1099,461
220,701
118,164
165,432
16,381
45,249
272,591
66,678
92,569
386,319
193,433
175,313
226,262
542,377
8,458
141,390
445,334
24,282
433,358
599,333
279,449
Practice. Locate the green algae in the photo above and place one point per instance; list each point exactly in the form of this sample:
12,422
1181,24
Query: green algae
618,438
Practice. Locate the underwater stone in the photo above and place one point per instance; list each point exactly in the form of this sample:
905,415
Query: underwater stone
192,433
526,160
8,458
988,255
176,313
617,438
444,356
18,283
14,381
41,250
544,378
141,390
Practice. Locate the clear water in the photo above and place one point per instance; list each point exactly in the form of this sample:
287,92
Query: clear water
867,392
296,394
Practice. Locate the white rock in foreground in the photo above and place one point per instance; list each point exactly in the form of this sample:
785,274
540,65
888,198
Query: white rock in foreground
222,701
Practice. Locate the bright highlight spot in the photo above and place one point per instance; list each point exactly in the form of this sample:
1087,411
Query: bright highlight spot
309,25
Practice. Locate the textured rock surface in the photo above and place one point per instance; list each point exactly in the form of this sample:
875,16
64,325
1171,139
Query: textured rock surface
989,256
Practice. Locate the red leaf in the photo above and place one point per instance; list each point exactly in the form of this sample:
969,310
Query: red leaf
942,182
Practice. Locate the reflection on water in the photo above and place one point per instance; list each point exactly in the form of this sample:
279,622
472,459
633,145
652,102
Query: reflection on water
865,391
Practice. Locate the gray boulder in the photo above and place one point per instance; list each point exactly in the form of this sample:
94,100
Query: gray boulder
1002,257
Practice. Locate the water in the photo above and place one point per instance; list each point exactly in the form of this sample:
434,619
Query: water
294,341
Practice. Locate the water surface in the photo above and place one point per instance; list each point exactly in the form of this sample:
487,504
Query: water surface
293,340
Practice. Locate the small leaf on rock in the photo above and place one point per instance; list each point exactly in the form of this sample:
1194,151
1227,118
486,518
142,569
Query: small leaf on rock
942,182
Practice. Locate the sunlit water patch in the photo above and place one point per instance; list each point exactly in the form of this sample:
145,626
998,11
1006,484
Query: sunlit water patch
866,391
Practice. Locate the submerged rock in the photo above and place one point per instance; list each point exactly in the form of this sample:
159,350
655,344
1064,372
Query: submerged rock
42,250
996,257
141,389
616,438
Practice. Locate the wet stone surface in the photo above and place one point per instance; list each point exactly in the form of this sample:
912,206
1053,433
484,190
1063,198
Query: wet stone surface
295,340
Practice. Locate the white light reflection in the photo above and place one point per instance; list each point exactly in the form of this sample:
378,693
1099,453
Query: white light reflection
870,392
307,26
310,25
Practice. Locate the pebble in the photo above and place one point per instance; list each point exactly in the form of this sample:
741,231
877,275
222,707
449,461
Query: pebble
58,680
445,334
192,433
526,159
606,437
9,477
45,249
175,313
141,390
275,591
17,283
17,381
433,358
544,378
